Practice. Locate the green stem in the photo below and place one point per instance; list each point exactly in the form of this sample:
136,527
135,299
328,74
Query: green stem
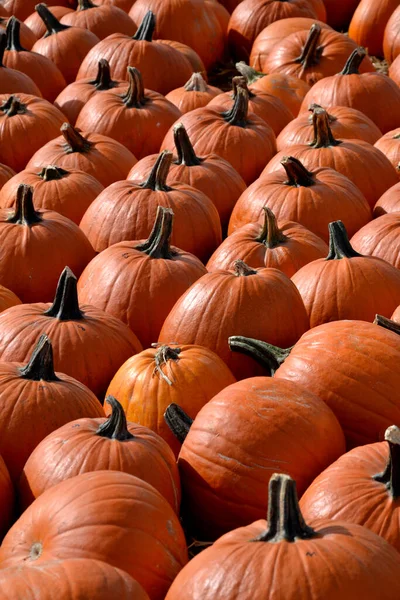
251,74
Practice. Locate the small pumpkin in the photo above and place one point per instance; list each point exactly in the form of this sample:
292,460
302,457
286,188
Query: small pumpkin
389,202
12,80
380,238
102,20
196,93
368,23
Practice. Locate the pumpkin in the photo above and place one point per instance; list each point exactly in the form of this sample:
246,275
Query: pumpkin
192,57
28,37
391,39
68,192
389,201
34,401
351,365
101,20
380,238
40,69
238,439
311,198
105,159
368,24
147,383
210,174
7,298
69,579
12,80
106,515
136,117
242,138
390,146
126,279
65,46
193,22
363,164
345,123
361,487
121,51
36,245
127,210
101,342
374,94
339,14
253,561
7,498
196,93
236,303
6,173
286,247
123,4
37,26
346,284
23,8
96,444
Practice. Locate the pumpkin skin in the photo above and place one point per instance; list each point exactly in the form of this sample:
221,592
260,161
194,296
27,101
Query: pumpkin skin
25,387
97,444
186,375
389,145
70,579
368,24
36,25
122,4
396,315
28,37
287,246
97,155
336,287
101,20
133,108
312,199
233,298
68,192
59,522
6,173
103,342
339,14
191,56
389,201
7,499
238,439
252,561
127,210
7,298
23,8
346,124
11,80
196,93
380,238
391,39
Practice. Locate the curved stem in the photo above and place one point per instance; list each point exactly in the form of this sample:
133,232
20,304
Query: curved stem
52,173
158,243
65,306
387,324
157,178
323,136
75,142
85,5
196,83
298,176
268,356
391,475
25,213
178,422
146,28
271,236
103,79
251,74
237,115
184,148
353,62
161,358
13,30
13,106
311,52
339,243
41,364
285,521
240,269
313,106
115,427
240,82
134,97
53,25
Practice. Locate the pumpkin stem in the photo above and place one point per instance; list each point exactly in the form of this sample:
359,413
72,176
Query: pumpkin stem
157,178
178,422
196,83
13,106
323,136
353,62
134,97
251,74
53,25
237,115
339,244
75,142
103,80
184,148
285,521
391,475
161,358
268,356
52,173
271,236
41,364
25,213
240,82
313,106
240,269
387,324
146,28
85,5
115,427
3,46
65,306
13,35
158,243
311,52
298,176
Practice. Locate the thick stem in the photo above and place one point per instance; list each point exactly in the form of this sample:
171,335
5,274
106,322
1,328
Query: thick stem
146,28
85,5
240,269
41,365
387,324
157,178
312,107
13,35
134,97
391,475
158,243
285,521
240,82
298,176
184,148
178,422
353,62
237,115
66,306
52,173
268,356
311,52
103,80
323,136
75,142
251,74
271,236
25,213
161,358
53,25
13,106
3,46
196,83
115,427
339,243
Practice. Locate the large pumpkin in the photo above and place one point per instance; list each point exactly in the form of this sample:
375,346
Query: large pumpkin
380,238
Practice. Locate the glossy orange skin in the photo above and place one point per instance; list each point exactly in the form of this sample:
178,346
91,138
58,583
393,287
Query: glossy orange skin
125,211
381,238
13,81
391,38
105,515
332,197
101,20
236,305
123,4
71,579
343,561
187,100
389,144
102,342
389,201
23,8
7,298
240,438
196,377
353,367
346,123
368,24
300,247
193,58
285,87
36,25
107,160
5,174
75,449
7,499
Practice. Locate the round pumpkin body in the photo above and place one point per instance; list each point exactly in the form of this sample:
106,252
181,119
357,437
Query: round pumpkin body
23,8
391,38
380,238
290,90
196,93
389,201
389,145
11,80
7,299
102,20
368,24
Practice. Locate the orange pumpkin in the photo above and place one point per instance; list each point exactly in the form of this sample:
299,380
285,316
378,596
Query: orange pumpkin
389,201
101,20
368,24
7,499
196,93
380,238
391,38
389,144
36,24
23,8
6,173
12,80
7,298
28,37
